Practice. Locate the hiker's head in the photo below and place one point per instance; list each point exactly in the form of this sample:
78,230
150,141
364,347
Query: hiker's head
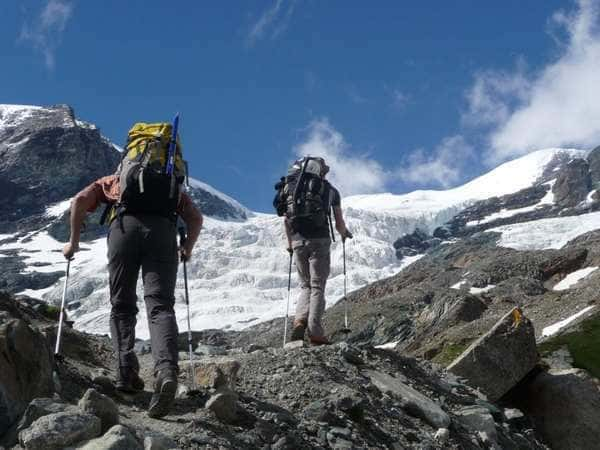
316,165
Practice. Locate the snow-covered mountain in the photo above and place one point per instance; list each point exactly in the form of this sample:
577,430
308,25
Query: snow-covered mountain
238,275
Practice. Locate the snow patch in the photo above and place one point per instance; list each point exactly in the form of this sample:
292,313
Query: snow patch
553,329
573,278
546,234
475,290
459,285
58,209
14,114
388,345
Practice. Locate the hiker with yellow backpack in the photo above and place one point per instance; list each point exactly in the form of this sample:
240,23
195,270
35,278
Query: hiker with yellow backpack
144,198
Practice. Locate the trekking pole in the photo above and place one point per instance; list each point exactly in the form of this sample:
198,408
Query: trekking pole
346,328
62,308
182,239
287,310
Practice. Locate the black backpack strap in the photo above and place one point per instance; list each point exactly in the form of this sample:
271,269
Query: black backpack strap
329,200
105,213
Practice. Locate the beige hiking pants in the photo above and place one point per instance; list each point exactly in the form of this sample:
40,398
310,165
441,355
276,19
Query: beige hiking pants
313,264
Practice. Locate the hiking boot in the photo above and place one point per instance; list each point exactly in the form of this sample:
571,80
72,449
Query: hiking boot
165,388
319,340
129,381
298,331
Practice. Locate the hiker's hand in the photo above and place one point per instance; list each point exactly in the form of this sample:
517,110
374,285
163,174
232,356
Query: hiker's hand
347,235
290,250
70,249
185,253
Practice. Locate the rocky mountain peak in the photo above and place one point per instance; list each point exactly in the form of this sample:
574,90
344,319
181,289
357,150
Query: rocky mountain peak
46,155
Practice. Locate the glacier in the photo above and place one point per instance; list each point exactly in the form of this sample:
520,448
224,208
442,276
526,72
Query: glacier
238,274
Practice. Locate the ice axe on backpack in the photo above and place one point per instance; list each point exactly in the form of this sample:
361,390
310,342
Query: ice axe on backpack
182,239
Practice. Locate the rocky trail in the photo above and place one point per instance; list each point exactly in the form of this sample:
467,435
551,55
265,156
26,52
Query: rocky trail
339,396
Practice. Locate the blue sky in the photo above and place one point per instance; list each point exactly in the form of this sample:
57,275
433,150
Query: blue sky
397,95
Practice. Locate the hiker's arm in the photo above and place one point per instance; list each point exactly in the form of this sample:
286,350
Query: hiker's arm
193,221
84,201
288,234
340,224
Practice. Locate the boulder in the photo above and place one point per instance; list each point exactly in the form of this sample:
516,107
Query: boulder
25,368
40,407
157,441
224,405
564,406
100,406
478,419
214,373
501,358
411,400
60,430
117,438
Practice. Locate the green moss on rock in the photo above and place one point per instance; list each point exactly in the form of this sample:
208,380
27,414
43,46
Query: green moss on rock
583,344
450,352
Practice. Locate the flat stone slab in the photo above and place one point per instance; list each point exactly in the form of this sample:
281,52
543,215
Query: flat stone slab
499,359
412,401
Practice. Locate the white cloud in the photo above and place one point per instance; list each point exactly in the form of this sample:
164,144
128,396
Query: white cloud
558,105
45,33
351,173
273,22
443,167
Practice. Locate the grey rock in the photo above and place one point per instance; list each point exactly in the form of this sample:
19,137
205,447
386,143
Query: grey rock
513,414
499,359
411,400
563,406
214,373
40,407
442,435
350,354
210,350
478,419
104,383
293,345
101,406
594,163
159,442
25,368
572,184
116,438
60,430
224,405
201,439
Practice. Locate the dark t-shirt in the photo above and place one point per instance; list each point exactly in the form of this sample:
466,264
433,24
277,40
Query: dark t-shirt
322,232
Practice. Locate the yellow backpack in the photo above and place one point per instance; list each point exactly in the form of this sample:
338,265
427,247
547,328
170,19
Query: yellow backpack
144,184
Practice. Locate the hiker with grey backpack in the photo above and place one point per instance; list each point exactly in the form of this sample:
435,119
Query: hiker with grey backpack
144,199
307,200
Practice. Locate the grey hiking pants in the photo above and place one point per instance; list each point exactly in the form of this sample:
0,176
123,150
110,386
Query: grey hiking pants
313,263
147,242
